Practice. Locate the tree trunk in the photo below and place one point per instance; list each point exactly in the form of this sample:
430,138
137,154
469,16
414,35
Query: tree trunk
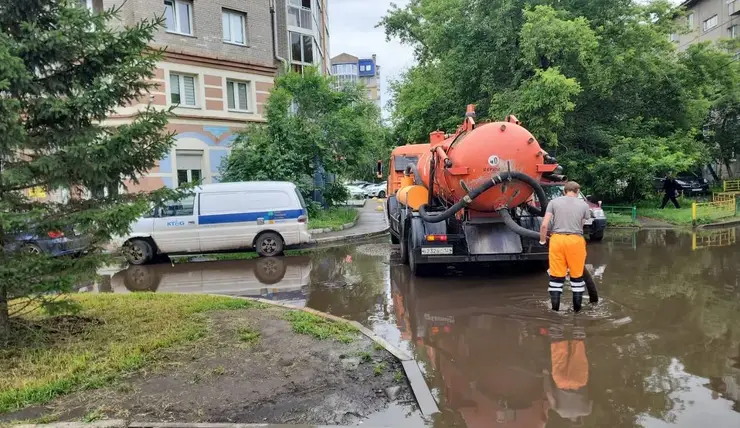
714,173
4,318
729,168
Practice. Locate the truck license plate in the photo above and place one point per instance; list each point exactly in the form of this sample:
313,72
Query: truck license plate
436,251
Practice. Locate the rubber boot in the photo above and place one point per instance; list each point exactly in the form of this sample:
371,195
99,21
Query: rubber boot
577,301
555,300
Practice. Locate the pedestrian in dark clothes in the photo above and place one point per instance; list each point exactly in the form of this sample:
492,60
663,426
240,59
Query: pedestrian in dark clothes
671,188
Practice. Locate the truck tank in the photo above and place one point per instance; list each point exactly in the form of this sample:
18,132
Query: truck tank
468,159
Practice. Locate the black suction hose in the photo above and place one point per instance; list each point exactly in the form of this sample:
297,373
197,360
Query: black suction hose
417,177
523,231
494,181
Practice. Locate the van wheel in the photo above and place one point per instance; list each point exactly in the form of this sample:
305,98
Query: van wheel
381,194
138,251
269,244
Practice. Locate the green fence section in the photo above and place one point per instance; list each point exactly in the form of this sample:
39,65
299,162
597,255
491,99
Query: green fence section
624,210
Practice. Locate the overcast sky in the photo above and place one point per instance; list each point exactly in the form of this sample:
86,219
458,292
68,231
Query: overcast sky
352,30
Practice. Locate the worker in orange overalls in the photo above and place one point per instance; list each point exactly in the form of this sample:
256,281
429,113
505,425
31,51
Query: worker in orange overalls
566,387
567,245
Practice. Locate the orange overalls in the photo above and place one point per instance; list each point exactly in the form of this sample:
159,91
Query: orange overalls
567,256
569,397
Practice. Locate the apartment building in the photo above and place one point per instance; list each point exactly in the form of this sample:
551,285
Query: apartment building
350,69
303,34
218,68
708,20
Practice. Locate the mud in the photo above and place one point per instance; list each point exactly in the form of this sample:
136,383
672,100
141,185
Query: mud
281,378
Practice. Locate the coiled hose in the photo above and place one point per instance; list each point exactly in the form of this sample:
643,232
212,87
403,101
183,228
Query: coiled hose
494,181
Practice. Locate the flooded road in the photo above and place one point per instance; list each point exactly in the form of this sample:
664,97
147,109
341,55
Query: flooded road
661,349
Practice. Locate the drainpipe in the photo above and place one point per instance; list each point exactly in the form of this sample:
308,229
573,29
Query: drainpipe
275,36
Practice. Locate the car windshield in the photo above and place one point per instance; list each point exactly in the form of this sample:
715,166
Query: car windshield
556,191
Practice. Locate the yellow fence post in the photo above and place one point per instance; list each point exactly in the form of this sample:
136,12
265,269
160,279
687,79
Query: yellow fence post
724,185
693,213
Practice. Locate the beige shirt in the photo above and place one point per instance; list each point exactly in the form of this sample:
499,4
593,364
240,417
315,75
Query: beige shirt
568,214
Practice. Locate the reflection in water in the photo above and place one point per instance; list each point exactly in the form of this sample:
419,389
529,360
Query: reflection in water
661,349
284,278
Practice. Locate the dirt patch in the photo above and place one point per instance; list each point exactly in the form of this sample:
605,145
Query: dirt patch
252,369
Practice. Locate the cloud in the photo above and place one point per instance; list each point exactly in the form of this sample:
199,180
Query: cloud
352,30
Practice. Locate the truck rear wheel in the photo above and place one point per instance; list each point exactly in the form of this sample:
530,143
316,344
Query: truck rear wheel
404,250
417,269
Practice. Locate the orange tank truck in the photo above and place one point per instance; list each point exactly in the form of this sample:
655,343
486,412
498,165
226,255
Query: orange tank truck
466,197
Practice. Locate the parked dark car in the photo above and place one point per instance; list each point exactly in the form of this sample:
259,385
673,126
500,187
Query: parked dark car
54,243
691,184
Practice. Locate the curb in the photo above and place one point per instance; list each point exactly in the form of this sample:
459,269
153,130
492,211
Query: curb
342,227
422,393
718,225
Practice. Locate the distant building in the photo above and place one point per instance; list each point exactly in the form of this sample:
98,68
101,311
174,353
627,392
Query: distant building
218,68
708,20
303,33
347,68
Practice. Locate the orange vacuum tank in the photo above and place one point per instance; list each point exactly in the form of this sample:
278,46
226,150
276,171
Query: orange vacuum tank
479,154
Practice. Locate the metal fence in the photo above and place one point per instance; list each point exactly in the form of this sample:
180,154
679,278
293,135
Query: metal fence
706,212
731,185
623,210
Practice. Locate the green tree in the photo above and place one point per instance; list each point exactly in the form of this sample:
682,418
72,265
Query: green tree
62,71
309,124
591,79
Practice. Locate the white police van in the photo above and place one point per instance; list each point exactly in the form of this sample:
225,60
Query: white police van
263,215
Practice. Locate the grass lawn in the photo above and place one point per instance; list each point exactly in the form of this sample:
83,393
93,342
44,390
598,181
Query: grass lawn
332,218
681,216
111,335
319,327
621,220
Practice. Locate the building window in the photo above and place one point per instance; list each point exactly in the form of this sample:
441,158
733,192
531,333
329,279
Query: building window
301,48
710,23
344,69
674,37
690,20
189,166
237,94
182,90
234,24
178,15
734,31
733,7
94,5
299,14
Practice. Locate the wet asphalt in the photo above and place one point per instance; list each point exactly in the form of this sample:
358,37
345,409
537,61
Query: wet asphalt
661,349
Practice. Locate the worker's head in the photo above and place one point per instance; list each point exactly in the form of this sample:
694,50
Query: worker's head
572,188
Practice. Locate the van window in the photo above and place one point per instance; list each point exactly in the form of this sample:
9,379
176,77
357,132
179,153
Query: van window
182,207
271,200
300,198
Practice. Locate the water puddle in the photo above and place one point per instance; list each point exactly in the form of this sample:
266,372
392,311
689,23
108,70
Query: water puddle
662,347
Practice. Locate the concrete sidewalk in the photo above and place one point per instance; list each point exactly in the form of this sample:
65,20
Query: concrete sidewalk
371,223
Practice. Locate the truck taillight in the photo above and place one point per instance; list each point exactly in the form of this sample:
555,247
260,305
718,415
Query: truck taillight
303,219
436,238
54,234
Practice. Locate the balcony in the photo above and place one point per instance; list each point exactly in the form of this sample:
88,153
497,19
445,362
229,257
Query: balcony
300,17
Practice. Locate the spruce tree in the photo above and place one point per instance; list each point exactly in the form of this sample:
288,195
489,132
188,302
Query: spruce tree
63,70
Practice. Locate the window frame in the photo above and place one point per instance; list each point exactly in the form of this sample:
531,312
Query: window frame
705,25
734,31
235,94
181,87
690,20
301,61
243,18
178,21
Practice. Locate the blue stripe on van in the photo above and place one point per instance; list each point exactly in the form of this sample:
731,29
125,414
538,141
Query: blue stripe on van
246,217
